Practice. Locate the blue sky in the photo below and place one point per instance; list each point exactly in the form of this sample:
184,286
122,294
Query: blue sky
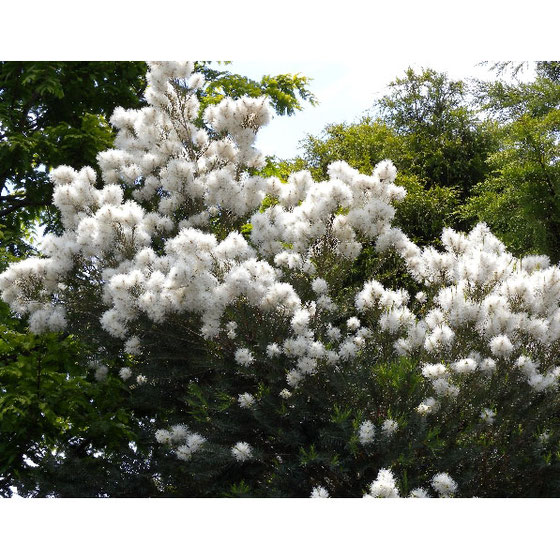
345,90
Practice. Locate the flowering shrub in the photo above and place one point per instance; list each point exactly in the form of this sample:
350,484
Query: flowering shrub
188,267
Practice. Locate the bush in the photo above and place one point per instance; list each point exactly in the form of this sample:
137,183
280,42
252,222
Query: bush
280,371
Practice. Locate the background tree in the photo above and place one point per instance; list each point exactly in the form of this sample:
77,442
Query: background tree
49,112
447,138
520,196
426,124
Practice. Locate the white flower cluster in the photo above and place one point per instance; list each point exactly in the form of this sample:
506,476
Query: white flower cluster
244,357
366,434
444,485
320,492
427,406
307,211
483,298
246,400
487,415
242,451
503,300
389,427
186,442
419,493
385,486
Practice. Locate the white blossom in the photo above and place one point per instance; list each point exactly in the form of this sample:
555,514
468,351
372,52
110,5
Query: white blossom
101,373
444,485
488,415
320,492
353,323
389,427
273,350
544,437
419,493
133,346
421,297
366,434
501,346
192,444
242,451
246,400
163,436
179,432
244,357
427,406
384,485
230,328
320,286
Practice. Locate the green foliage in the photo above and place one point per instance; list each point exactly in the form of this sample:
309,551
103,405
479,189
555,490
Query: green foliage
49,406
448,140
520,198
282,169
54,113
287,92
426,211
361,145
311,438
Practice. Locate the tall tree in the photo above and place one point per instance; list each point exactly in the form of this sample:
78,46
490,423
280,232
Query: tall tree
520,198
429,127
448,139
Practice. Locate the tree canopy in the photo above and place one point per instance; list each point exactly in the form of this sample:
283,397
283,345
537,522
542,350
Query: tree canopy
520,196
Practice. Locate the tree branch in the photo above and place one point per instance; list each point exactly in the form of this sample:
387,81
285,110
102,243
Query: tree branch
19,204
